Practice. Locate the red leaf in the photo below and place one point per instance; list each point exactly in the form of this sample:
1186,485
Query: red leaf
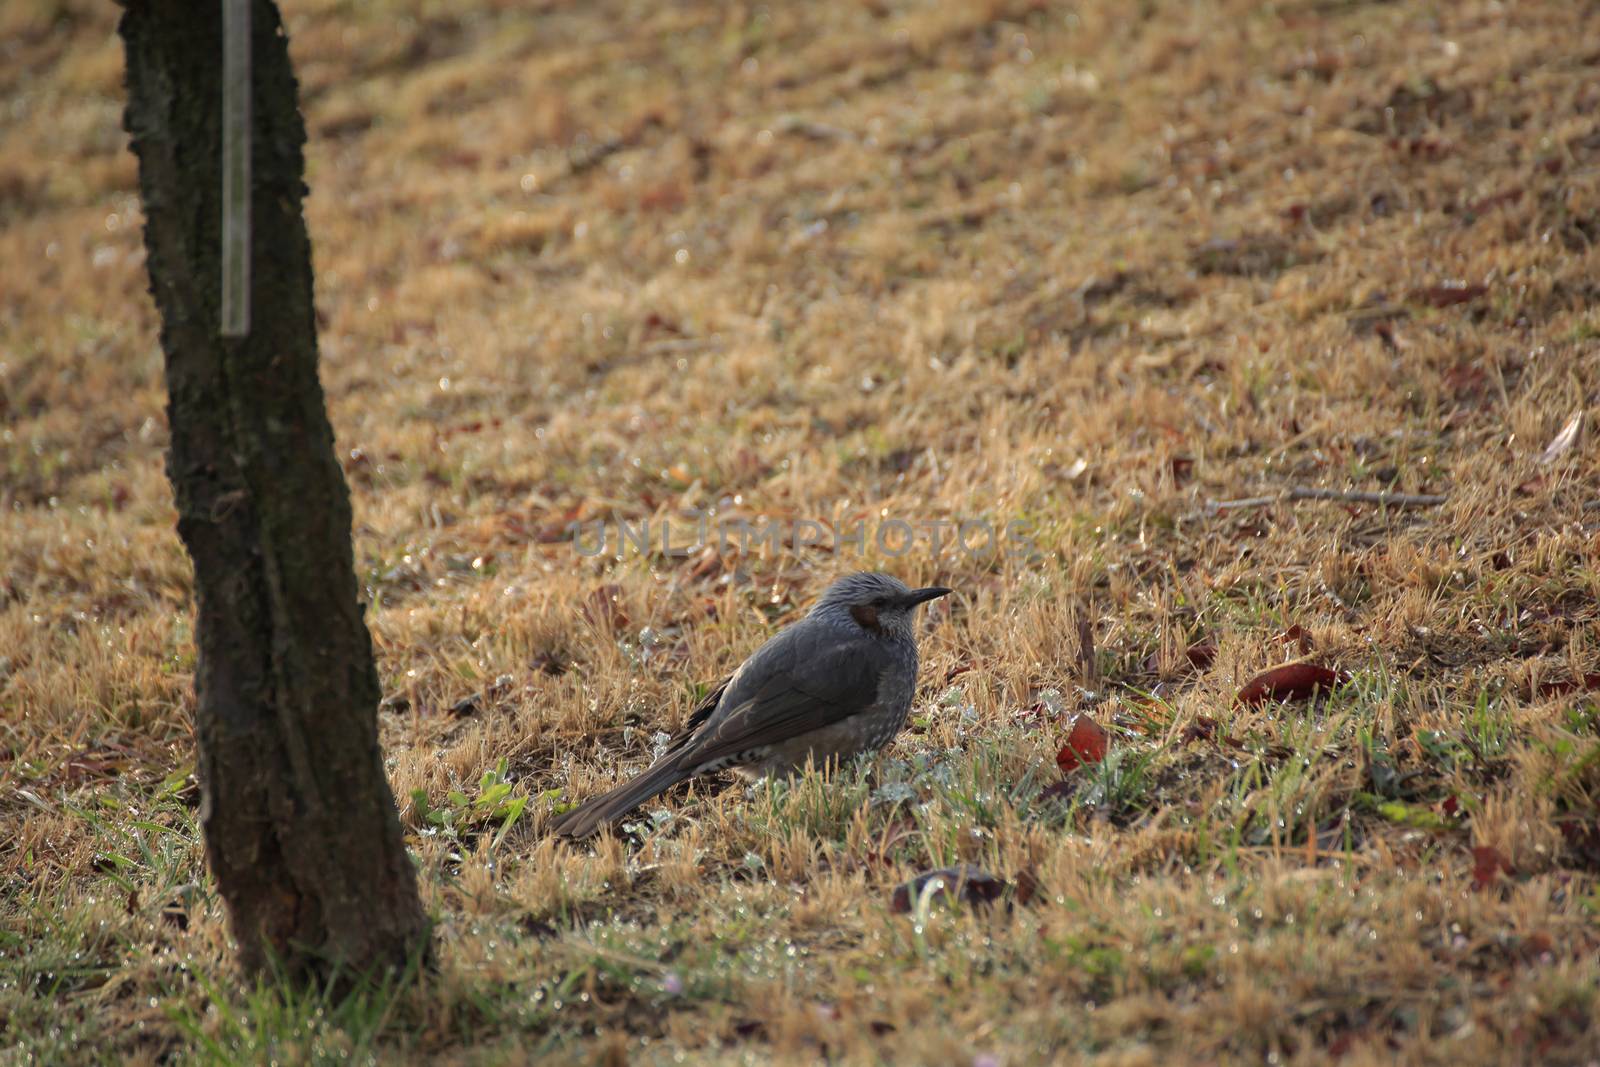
1295,635
1487,863
1587,684
1292,681
1087,743
1201,654
1443,296
956,671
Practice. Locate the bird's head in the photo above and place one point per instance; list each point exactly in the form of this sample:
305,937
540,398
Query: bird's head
878,603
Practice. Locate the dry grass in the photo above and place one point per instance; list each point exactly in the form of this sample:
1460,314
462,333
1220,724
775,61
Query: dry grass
1085,267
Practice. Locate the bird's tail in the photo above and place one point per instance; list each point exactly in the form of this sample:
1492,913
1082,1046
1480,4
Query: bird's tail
587,818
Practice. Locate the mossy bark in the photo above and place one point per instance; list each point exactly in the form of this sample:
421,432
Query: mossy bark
299,820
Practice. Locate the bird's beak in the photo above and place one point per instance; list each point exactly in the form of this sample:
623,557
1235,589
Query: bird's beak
918,596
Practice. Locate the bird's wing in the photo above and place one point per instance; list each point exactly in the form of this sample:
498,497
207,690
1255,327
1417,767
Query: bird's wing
697,718
787,689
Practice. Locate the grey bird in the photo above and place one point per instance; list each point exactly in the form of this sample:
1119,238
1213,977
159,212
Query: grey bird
836,683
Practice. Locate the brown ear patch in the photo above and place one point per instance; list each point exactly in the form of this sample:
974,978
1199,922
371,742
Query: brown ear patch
866,615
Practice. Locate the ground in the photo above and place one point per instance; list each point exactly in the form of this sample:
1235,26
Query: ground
1092,269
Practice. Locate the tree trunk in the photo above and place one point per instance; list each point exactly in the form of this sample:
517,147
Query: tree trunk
298,817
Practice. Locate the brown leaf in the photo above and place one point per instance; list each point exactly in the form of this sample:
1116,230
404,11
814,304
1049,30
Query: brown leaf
547,662
93,765
604,610
1032,715
1087,670
1586,684
1562,443
1494,200
1295,635
896,832
1087,743
1204,728
1063,790
1027,886
963,883
475,703
957,670
1291,681
1449,295
1487,863
1201,654
707,565
1583,841
1466,380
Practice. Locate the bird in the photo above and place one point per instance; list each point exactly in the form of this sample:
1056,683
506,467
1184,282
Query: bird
834,684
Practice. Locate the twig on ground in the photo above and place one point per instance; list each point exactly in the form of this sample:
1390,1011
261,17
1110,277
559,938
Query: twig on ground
1353,496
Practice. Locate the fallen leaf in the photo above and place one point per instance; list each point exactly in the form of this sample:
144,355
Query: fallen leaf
1204,728
1466,380
1566,686
1562,443
1385,330
602,608
1295,635
1291,681
1063,790
1494,200
1199,655
1449,295
964,883
707,565
896,832
1487,863
547,662
1582,836
475,703
1087,743
1027,886
1087,672
956,670
1340,1046
94,765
